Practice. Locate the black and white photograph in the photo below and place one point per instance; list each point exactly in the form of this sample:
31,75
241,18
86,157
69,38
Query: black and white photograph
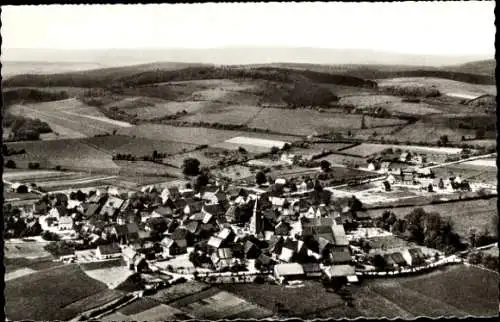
223,161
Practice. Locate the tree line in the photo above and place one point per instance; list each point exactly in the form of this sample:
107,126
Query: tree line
424,228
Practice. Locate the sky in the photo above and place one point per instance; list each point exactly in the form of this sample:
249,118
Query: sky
436,28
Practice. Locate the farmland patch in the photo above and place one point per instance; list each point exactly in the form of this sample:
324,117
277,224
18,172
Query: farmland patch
307,122
443,85
45,294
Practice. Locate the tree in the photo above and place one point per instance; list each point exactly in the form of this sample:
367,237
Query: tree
441,184
480,133
10,164
274,150
201,181
317,186
430,188
260,178
325,165
363,123
286,147
444,140
191,166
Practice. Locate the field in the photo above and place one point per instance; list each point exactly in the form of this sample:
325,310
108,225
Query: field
307,122
392,104
308,302
46,294
192,135
234,172
28,250
477,171
251,144
179,291
437,294
69,153
111,276
69,118
344,160
464,214
443,85
224,305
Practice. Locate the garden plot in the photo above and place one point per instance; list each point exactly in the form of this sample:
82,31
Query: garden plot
29,250
225,305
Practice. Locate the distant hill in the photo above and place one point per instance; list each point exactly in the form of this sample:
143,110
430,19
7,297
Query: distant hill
236,55
482,67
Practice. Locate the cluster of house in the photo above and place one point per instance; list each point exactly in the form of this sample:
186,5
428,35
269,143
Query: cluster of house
223,226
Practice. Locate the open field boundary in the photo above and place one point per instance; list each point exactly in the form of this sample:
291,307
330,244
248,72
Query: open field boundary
433,202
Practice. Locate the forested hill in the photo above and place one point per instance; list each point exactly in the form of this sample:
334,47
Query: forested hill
129,77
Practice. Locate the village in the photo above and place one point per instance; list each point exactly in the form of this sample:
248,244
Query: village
280,231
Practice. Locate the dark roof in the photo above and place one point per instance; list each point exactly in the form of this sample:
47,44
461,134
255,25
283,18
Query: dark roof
179,233
282,228
194,206
180,203
340,254
121,230
163,211
416,253
61,210
192,226
214,209
109,249
132,228
398,258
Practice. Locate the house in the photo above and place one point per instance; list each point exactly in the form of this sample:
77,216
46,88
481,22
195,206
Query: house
405,157
215,210
172,193
288,272
111,207
108,251
312,270
132,232
371,166
340,255
172,247
187,193
134,260
193,207
40,207
65,223
282,229
58,211
162,212
215,242
413,256
251,250
277,202
302,186
91,210
339,271
182,236
120,233
193,226
280,181
339,236
385,166
398,259
222,258
389,261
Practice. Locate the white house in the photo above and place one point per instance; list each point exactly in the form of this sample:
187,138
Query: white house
108,251
65,223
